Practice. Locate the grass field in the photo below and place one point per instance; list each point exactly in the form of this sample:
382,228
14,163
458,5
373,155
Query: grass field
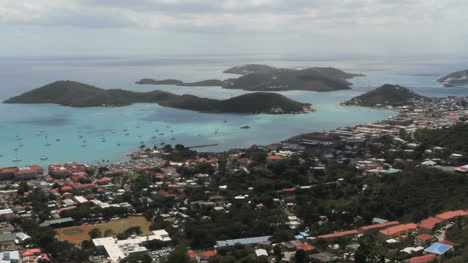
76,234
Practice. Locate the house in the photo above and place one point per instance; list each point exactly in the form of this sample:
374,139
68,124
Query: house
428,224
251,241
439,249
422,259
10,257
304,246
344,234
7,241
398,230
376,227
206,255
446,216
423,240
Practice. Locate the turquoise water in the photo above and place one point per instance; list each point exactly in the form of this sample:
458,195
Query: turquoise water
66,129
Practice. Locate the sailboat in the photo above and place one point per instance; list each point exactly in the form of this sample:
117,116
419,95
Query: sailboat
17,159
46,141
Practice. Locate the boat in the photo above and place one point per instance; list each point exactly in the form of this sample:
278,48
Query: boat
83,145
57,140
162,143
245,127
118,144
161,134
1,155
38,133
41,131
43,158
154,137
173,138
126,134
114,131
46,142
17,160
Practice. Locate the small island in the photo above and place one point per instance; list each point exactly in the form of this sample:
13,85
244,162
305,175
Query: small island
386,95
266,78
76,94
455,79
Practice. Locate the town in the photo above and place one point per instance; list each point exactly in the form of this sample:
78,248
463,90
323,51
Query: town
392,191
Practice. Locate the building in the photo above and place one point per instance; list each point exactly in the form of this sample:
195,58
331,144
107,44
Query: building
344,234
398,230
423,240
119,249
272,159
422,259
428,224
251,241
438,249
10,257
376,227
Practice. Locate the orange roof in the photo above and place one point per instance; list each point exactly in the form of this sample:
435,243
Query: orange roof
425,237
275,157
392,223
207,254
29,252
340,234
305,247
429,223
451,214
191,254
423,259
398,228
446,242
66,187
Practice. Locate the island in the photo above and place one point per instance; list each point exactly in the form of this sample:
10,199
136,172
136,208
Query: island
265,78
203,83
386,95
250,69
455,79
76,94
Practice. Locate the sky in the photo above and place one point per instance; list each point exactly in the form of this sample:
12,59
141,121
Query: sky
157,27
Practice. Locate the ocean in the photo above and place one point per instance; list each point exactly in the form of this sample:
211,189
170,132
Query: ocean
89,135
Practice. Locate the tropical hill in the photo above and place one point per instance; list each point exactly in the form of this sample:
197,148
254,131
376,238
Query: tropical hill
250,69
311,79
76,94
455,79
385,95
203,83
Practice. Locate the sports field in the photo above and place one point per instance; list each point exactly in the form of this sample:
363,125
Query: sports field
76,234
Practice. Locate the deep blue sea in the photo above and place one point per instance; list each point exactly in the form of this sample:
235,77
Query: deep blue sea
93,134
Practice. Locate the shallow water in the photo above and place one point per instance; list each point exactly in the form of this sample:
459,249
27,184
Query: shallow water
73,126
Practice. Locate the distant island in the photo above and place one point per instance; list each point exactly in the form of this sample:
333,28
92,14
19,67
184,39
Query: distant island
265,78
76,94
455,79
251,69
384,96
203,83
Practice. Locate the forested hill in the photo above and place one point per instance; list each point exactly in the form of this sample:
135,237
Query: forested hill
75,94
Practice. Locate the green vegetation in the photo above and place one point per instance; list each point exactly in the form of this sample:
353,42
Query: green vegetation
75,94
250,68
312,79
203,83
454,138
385,95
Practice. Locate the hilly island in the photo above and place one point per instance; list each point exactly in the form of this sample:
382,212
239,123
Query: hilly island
386,95
266,78
76,94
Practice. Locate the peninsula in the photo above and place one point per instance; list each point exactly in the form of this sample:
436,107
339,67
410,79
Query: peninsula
455,79
386,95
76,94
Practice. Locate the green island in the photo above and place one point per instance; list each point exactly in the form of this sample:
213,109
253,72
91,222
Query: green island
455,79
76,94
265,78
386,95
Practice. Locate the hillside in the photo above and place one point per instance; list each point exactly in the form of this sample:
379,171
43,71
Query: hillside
75,94
385,95
311,79
203,83
250,69
455,79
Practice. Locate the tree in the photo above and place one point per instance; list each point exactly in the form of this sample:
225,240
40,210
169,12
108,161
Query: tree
23,187
95,233
178,255
137,258
300,256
